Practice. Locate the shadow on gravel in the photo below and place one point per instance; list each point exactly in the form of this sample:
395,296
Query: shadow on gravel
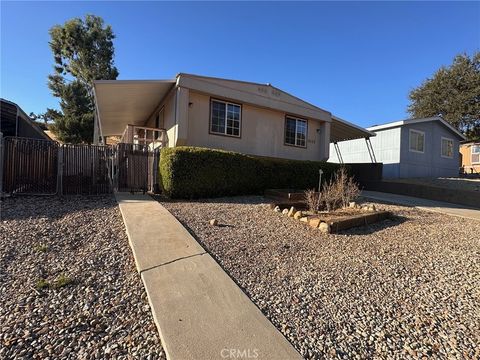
24,207
241,199
393,221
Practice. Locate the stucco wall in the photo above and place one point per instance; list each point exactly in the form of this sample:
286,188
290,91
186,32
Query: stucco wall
262,132
168,104
430,163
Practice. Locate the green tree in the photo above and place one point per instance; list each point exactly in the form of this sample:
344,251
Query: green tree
452,93
83,52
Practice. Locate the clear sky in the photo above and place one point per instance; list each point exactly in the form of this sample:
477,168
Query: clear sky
358,60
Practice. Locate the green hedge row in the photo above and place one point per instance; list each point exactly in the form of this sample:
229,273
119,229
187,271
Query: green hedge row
191,172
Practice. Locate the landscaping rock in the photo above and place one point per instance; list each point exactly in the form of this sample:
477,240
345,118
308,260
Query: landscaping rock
277,209
304,219
324,227
313,221
285,212
352,204
291,212
213,222
297,215
372,207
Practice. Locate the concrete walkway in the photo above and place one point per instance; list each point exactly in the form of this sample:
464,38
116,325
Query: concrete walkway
425,204
199,310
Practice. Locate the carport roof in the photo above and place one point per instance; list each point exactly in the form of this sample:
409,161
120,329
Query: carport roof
342,130
123,102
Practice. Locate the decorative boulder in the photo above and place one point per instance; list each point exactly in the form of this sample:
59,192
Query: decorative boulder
297,215
285,212
304,219
372,208
213,222
352,204
291,212
277,209
324,227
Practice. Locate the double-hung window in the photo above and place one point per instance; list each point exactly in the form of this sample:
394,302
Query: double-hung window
417,141
475,154
295,131
447,148
225,118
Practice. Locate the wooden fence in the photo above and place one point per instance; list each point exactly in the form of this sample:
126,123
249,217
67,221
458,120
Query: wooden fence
32,166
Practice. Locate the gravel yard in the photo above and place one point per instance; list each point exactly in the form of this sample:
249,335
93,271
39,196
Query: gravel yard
403,288
69,288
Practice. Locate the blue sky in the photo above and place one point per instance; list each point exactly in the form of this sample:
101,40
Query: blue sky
356,59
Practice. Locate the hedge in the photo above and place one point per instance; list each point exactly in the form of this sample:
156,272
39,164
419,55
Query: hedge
192,172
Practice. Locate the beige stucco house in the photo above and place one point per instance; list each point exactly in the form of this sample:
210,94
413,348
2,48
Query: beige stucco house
192,110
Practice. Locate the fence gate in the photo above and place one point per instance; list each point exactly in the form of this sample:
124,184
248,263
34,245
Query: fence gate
136,168
29,166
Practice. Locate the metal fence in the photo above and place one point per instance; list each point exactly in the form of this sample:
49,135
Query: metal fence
32,166
137,168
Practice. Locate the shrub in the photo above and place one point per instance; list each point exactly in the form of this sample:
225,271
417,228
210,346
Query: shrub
191,172
313,200
339,191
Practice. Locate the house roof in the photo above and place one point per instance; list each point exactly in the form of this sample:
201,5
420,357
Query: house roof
394,124
123,102
27,119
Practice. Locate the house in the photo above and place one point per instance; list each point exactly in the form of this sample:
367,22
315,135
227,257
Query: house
192,110
15,122
408,148
470,157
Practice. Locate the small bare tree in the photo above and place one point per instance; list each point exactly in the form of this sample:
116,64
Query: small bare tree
313,200
339,191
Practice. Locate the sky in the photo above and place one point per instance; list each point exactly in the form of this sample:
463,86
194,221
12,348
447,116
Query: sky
358,60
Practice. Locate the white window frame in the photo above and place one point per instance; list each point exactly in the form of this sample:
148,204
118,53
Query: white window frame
441,147
297,120
226,120
410,141
475,146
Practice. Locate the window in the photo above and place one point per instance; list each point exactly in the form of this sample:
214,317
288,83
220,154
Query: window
417,141
295,132
225,118
447,148
475,154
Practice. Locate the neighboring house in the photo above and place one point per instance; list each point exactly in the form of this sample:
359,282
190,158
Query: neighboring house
192,110
15,122
409,148
470,157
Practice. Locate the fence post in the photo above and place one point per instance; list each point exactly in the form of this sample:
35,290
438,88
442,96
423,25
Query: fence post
60,170
2,151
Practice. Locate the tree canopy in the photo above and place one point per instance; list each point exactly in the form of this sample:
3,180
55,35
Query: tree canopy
83,51
453,93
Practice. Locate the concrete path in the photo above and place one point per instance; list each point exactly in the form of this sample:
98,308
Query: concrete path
199,310
425,204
